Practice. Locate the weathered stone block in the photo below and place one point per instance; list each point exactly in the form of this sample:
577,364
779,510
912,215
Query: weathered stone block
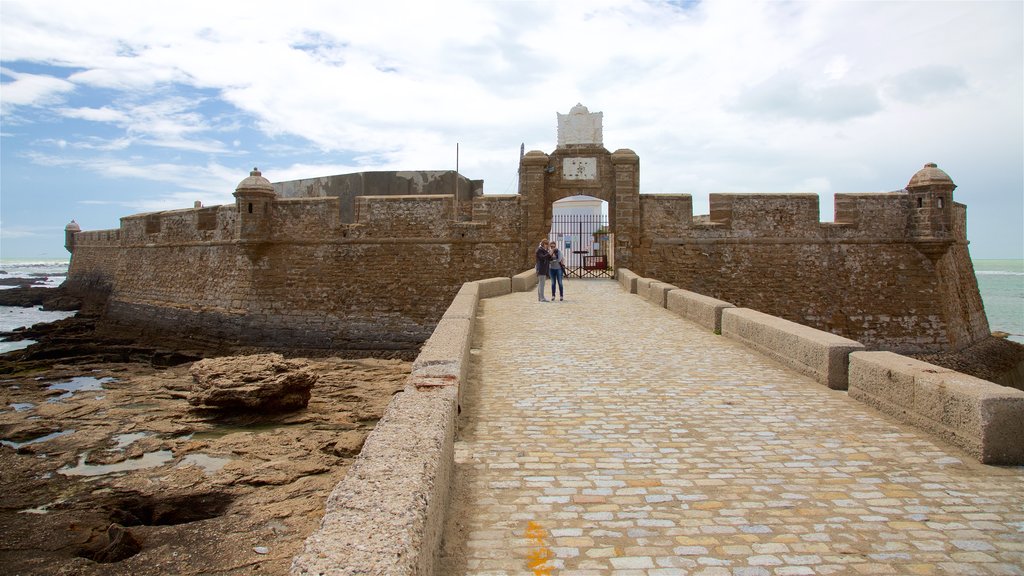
524,281
815,353
643,286
984,419
492,287
627,279
698,308
657,291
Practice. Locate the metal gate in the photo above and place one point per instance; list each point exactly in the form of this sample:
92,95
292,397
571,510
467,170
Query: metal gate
586,244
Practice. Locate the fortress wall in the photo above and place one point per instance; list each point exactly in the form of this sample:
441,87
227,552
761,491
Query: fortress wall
305,218
501,214
406,216
92,275
767,215
884,295
880,215
859,277
667,215
315,284
958,287
862,277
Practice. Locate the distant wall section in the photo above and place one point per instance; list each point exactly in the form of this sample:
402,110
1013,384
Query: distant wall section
865,276
310,283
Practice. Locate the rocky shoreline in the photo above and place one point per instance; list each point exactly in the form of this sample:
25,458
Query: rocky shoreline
107,468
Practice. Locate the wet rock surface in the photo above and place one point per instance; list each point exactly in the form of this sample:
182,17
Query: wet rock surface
127,477
257,382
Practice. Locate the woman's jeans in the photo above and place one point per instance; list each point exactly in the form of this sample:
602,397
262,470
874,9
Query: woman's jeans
556,276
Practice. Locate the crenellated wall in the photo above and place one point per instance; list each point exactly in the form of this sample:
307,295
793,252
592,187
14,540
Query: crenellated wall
374,286
864,276
327,269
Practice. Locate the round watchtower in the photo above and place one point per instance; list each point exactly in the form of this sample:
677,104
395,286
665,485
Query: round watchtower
931,198
69,235
254,197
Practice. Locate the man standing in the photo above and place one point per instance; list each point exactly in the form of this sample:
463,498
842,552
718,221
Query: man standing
543,260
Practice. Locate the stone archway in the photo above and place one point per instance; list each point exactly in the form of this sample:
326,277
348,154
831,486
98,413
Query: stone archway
587,170
581,165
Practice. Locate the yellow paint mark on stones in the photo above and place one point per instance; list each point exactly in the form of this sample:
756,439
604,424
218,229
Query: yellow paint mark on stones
539,554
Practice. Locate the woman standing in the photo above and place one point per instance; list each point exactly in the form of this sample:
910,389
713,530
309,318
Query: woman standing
556,269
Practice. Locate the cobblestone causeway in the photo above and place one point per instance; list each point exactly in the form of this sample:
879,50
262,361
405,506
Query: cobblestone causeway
605,435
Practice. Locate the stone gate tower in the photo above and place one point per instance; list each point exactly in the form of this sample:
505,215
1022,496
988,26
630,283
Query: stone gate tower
582,166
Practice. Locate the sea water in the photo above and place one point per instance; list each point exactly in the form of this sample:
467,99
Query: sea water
1001,283
44,273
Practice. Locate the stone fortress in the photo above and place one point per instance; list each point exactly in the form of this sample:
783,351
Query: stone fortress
366,264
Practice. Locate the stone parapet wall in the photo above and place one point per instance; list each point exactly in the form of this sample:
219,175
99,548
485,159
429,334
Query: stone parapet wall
984,419
697,308
821,355
387,514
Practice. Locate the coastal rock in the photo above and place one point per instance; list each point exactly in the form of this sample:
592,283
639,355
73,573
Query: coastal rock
259,382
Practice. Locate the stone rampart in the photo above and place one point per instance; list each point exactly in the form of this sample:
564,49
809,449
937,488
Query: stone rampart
329,269
869,276
982,418
311,284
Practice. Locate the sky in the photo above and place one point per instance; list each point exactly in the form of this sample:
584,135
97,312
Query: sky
114,108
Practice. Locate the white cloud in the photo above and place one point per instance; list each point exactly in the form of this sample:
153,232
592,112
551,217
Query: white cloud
719,96
104,114
31,89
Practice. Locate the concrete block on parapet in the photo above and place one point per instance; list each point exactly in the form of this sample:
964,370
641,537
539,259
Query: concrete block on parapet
657,291
444,358
386,516
643,287
703,310
465,302
524,281
492,287
627,279
815,353
984,419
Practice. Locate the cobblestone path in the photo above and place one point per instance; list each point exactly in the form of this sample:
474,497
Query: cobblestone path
604,435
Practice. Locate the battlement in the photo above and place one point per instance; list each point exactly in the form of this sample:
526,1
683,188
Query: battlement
865,217
368,261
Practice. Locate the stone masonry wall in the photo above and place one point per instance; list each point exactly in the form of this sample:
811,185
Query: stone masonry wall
376,286
859,277
296,274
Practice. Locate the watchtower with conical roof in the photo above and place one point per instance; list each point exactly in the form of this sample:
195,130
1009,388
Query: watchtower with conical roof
254,198
931,220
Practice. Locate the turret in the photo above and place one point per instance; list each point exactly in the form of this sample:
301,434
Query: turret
69,235
253,199
931,198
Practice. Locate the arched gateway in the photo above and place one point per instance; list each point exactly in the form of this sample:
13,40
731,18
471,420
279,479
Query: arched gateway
581,166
